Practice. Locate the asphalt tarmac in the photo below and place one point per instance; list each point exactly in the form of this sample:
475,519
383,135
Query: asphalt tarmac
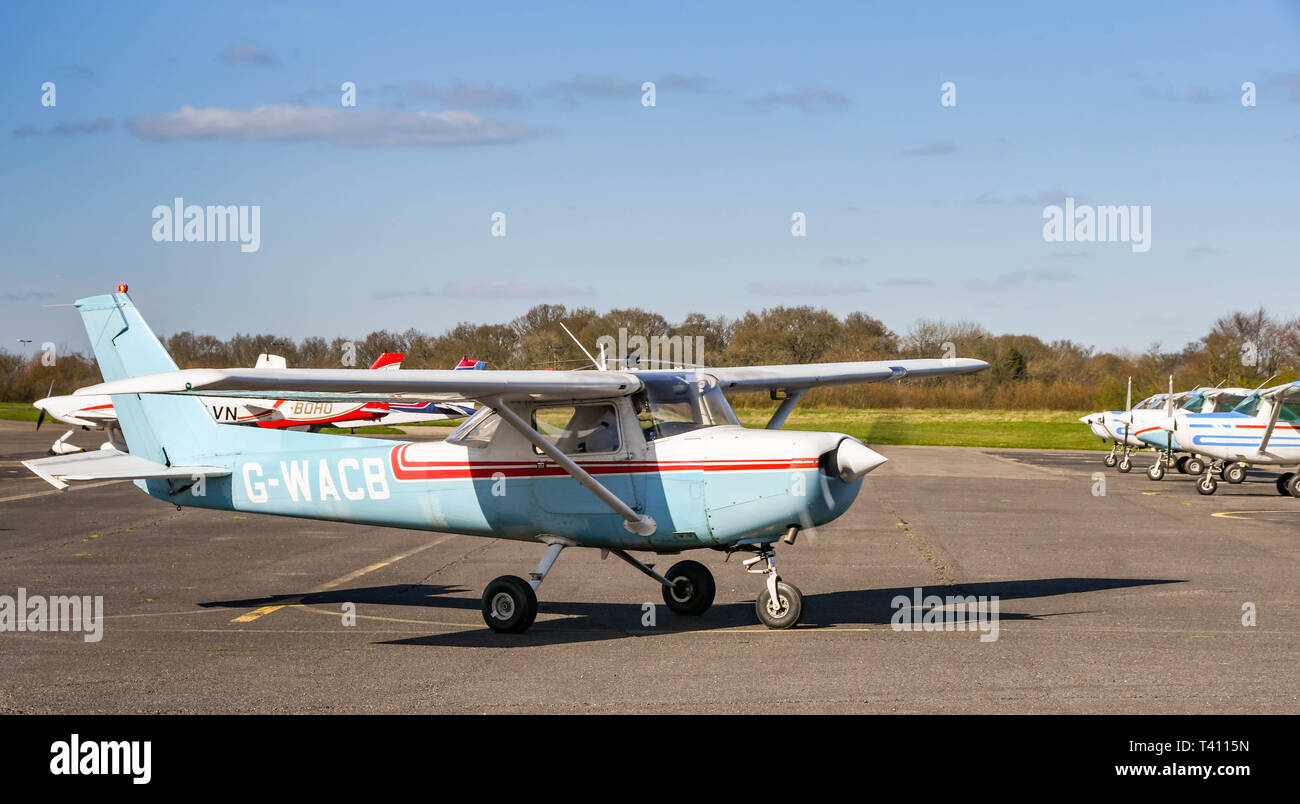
1127,601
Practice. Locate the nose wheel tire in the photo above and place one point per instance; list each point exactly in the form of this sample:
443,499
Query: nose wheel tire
1181,464
1110,461
1207,484
1156,471
1235,473
509,605
785,611
1126,465
1194,466
692,590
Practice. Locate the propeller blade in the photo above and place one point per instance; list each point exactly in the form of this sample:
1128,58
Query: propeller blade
40,419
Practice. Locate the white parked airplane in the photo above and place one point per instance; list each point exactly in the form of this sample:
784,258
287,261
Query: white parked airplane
1264,430
96,412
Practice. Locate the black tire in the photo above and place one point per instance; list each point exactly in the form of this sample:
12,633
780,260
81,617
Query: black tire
1194,466
1126,465
1156,471
1207,485
693,588
788,613
1110,461
1181,464
1293,485
1235,473
509,605
1282,481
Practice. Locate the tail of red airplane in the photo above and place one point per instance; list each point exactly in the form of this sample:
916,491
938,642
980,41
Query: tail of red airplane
466,363
388,360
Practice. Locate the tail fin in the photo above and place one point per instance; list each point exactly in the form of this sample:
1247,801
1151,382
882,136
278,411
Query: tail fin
164,429
388,360
466,363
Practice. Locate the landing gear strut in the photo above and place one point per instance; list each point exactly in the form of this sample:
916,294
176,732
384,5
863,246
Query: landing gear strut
1157,470
510,602
780,604
1207,484
1111,460
1126,462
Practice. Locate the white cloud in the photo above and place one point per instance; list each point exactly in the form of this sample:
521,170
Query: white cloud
488,289
352,127
810,98
248,53
828,289
932,148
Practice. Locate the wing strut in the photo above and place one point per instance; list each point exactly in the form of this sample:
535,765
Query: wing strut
639,524
787,405
1272,423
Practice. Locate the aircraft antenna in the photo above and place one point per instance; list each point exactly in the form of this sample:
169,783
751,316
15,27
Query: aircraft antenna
1266,382
593,360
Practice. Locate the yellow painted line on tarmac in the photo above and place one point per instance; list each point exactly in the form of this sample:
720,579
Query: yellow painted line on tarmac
351,576
1237,514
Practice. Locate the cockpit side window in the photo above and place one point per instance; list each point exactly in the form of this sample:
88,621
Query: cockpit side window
673,404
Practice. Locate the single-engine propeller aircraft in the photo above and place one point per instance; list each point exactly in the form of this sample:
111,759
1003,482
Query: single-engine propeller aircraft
616,460
1116,427
1155,429
96,412
1263,430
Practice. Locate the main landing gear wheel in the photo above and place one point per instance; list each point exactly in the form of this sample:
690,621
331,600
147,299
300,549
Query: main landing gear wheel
1110,461
1293,485
1156,471
785,611
509,605
1282,480
1235,473
1207,484
1195,466
1181,464
1126,464
692,590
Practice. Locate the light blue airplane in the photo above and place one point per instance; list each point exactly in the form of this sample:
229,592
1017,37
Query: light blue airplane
617,460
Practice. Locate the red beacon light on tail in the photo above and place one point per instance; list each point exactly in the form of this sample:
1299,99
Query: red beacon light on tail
121,288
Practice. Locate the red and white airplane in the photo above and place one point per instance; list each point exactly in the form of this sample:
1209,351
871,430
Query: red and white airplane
95,412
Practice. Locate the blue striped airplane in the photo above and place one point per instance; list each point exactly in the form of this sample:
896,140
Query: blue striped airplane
647,461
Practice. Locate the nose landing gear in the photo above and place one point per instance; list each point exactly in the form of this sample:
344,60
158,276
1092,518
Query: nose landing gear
780,604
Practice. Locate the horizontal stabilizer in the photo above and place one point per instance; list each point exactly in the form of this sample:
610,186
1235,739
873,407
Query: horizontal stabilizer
111,464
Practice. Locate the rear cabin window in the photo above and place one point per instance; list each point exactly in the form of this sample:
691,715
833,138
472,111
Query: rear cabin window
578,429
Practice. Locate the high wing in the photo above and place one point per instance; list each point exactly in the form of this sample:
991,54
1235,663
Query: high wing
462,386
811,375
362,385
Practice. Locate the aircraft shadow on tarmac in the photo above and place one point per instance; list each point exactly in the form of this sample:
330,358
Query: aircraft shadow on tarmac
588,622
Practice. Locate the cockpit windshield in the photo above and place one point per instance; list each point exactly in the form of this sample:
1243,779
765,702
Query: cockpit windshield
1151,402
679,403
1226,402
1249,406
1195,404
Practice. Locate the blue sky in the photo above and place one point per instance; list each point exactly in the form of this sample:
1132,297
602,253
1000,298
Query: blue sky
379,216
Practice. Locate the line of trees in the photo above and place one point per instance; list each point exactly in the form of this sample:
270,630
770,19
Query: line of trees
1243,348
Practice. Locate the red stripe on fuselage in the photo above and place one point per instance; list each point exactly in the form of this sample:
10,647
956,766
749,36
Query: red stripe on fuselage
404,469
